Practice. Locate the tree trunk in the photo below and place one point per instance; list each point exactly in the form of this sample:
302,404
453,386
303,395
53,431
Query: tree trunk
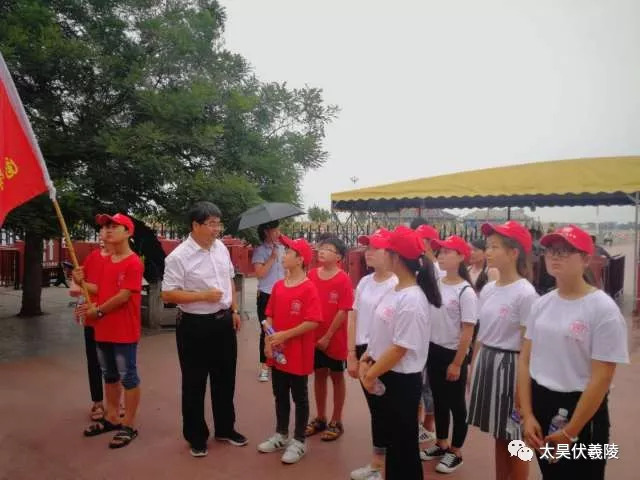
32,281
155,306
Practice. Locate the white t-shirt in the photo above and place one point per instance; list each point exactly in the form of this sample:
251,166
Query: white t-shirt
502,311
192,268
458,306
567,334
367,297
402,318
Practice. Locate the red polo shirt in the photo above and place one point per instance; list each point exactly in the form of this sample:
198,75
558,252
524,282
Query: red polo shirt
288,307
122,325
335,294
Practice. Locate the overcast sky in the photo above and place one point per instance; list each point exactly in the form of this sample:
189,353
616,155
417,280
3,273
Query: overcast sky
428,87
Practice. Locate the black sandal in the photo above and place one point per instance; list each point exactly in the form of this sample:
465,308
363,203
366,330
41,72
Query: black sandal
123,438
100,427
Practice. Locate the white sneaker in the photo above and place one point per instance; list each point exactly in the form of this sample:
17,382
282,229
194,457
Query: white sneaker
366,473
425,435
273,444
263,376
294,452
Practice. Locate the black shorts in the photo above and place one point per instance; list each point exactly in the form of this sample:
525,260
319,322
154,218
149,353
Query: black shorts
321,360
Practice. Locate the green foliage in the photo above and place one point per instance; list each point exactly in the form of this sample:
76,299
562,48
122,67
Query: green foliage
317,214
139,108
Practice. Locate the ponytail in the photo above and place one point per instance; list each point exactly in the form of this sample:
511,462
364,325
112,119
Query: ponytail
426,278
483,278
463,271
523,263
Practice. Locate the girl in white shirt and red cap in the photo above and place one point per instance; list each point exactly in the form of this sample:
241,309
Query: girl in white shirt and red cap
575,337
370,291
503,310
397,351
451,333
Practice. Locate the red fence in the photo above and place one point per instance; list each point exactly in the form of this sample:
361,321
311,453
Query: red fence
608,273
10,267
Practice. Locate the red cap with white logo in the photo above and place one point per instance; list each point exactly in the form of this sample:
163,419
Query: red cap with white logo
455,243
300,246
427,232
513,230
118,218
378,239
574,236
406,243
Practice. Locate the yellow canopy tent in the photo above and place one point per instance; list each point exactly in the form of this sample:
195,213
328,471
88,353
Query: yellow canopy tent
579,182
589,181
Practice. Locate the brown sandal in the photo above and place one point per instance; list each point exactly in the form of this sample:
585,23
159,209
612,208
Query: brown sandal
97,413
333,432
316,426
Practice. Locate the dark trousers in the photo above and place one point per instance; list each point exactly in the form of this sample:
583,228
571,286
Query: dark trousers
93,366
207,348
284,385
399,416
373,401
545,405
448,397
263,299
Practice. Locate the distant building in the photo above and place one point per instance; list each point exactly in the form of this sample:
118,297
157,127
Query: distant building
497,215
431,215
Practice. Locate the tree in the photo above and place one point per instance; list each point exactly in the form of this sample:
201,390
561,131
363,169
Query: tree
317,214
139,108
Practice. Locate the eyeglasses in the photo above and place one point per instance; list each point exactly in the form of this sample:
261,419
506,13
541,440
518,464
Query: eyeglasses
325,249
561,252
211,224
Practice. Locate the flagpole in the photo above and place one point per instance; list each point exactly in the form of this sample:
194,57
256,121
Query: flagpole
67,237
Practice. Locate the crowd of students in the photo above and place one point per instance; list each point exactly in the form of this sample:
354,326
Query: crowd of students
441,335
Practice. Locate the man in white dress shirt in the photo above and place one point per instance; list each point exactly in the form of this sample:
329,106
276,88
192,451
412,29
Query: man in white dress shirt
198,277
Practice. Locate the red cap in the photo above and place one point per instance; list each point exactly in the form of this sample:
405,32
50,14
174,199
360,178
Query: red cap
453,242
119,218
512,230
300,246
428,232
406,243
574,236
378,239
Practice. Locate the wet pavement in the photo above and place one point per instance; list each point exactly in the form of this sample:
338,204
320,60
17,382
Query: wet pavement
44,402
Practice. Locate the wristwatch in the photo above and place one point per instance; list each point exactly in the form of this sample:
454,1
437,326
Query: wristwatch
99,314
571,439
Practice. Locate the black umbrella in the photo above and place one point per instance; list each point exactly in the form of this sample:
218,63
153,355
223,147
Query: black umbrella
267,212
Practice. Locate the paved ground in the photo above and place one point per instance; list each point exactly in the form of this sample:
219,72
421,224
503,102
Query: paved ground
44,402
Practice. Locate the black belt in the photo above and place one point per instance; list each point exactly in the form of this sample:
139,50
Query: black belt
502,350
216,315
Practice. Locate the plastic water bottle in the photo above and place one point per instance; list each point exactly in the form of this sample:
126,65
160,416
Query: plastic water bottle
379,388
277,353
558,423
81,301
513,424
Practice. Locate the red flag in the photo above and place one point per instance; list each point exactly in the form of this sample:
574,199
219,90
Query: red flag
23,173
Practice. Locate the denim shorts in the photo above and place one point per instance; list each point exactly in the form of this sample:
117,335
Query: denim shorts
118,363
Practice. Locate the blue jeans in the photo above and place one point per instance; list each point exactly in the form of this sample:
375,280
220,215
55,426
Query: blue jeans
118,363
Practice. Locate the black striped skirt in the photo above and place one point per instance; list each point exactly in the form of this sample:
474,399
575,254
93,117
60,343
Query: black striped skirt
493,389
